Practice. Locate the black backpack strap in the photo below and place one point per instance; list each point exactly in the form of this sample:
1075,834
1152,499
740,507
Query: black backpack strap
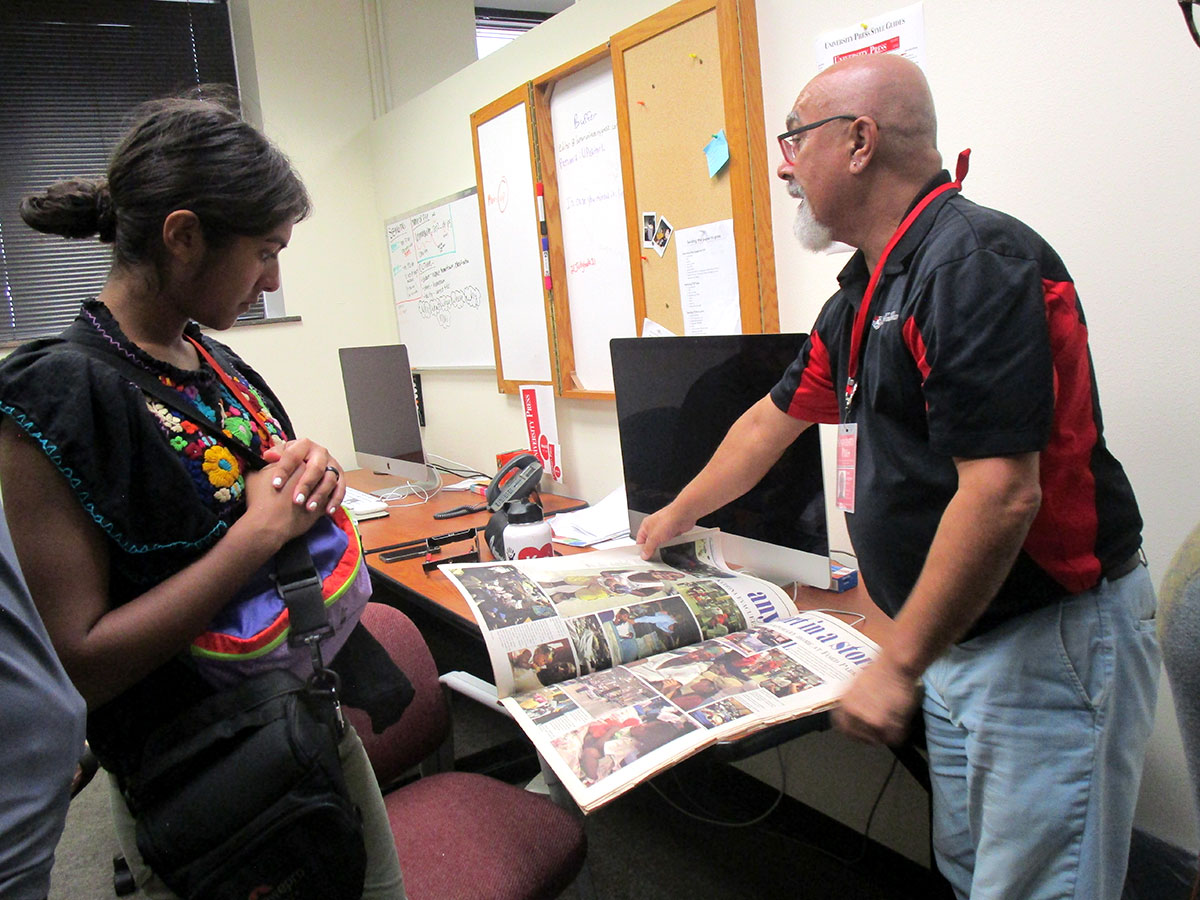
299,583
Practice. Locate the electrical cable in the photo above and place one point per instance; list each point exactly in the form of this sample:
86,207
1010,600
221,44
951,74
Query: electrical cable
725,823
409,490
462,470
862,848
761,817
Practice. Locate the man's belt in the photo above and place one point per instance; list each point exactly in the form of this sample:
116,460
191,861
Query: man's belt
1122,569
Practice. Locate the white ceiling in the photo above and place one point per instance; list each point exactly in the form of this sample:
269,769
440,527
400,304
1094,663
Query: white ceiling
543,6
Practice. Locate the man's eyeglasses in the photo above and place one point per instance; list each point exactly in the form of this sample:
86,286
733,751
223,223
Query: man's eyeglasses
1191,15
788,143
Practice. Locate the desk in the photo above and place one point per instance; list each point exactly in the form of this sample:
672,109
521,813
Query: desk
431,591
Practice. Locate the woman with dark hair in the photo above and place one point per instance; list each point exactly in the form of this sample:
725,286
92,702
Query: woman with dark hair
133,526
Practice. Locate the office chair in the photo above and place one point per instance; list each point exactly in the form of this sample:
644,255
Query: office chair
459,836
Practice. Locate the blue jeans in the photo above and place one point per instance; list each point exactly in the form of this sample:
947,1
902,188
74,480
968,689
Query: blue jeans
1037,733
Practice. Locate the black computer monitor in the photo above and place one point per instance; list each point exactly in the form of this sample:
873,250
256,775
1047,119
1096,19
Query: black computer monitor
383,413
676,399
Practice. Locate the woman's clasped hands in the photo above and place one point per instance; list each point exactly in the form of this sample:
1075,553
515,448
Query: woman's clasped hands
300,483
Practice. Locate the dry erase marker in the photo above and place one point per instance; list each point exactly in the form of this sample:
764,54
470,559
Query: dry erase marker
546,262
541,204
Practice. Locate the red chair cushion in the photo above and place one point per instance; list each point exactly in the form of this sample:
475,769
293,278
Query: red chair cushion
462,836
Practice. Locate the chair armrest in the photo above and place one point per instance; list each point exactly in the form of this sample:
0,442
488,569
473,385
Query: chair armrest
475,688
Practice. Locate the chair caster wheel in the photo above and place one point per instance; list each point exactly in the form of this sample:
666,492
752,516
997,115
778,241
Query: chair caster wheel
122,878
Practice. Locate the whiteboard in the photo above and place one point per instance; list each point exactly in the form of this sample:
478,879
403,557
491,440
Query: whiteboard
514,248
439,285
587,164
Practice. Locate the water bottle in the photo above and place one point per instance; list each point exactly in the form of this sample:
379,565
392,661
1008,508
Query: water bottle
527,534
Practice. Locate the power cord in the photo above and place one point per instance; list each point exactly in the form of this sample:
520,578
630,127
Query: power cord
866,835
462,470
761,817
409,490
709,820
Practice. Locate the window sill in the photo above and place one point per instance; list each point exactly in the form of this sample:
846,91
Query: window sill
270,320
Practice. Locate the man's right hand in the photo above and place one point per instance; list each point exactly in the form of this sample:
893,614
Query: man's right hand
660,527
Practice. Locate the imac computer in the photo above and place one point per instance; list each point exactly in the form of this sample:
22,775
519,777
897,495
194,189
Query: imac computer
676,398
383,413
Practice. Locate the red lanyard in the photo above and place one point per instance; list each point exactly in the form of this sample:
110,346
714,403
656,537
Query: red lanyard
864,307
251,405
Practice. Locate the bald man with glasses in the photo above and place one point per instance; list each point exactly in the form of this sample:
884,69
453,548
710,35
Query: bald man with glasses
986,512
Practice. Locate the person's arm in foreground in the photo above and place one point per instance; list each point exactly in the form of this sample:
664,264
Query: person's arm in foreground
754,444
977,540
64,557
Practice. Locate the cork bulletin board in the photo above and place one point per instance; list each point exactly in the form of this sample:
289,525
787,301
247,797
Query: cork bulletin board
682,76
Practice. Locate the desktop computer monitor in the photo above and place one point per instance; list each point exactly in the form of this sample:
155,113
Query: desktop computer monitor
676,398
383,412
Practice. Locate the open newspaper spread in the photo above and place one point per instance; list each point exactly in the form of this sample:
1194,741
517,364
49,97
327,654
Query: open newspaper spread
617,668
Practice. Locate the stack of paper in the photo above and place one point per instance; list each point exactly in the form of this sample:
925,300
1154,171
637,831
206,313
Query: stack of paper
606,520
362,505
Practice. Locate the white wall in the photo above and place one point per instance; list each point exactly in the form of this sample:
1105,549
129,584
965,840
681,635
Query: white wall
1083,125
425,42
314,96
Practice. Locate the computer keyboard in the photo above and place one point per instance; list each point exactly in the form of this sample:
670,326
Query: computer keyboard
363,505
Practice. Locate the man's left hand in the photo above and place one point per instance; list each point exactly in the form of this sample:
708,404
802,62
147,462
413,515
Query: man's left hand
879,704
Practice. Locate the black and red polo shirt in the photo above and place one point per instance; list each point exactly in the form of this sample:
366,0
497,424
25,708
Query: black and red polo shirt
977,347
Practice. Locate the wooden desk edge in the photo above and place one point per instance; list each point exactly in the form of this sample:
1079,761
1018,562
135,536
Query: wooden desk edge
431,590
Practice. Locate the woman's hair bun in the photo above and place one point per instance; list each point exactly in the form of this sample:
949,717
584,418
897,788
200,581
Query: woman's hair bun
106,213
75,208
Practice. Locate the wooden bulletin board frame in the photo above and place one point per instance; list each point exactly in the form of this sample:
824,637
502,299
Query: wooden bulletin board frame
517,318
680,76
567,382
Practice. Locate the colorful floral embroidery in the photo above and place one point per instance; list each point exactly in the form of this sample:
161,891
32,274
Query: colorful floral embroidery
213,467
221,467
203,407
169,420
239,429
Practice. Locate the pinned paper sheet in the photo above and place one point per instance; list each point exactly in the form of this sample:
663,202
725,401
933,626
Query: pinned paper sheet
541,423
650,328
716,152
708,289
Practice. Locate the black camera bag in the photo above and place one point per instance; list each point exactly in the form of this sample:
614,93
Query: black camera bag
243,796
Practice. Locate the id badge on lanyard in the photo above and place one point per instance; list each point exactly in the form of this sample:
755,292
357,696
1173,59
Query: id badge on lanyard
847,442
847,456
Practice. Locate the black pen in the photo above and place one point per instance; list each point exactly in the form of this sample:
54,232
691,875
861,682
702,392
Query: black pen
460,511
431,543
432,562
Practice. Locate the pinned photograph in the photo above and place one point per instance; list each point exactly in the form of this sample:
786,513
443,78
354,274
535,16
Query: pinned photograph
662,236
649,223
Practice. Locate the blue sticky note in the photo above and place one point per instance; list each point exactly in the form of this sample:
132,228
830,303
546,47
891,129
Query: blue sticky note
716,152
